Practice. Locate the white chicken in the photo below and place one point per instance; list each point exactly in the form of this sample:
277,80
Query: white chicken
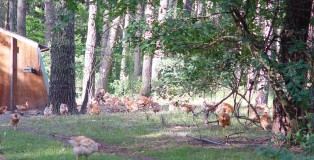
64,109
48,110
83,146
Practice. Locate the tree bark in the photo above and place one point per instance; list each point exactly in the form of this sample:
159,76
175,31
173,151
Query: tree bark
172,4
62,78
7,15
21,17
123,73
201,8
187,6
107,58
89,62
158,52
104,42
147,62
137,51
48,16
12,15
2,13
295,30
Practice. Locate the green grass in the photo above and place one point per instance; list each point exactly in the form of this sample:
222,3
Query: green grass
204,153
132,131
18,145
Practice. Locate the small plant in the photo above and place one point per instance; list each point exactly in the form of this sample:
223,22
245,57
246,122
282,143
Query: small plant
271,153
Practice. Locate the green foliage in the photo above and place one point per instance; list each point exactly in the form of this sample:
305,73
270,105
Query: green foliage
271,153
35,29
128,88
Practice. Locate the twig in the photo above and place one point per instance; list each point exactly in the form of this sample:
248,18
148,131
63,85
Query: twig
216,121
228,136
206,140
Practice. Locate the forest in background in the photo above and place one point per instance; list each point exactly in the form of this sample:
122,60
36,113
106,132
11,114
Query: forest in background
172,48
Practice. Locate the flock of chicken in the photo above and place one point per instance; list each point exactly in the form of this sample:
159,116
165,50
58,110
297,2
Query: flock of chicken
226,110
15,117
83,146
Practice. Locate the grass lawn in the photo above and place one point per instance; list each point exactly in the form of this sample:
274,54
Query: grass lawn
135,135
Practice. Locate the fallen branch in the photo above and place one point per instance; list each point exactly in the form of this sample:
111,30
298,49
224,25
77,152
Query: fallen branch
206,140
216,121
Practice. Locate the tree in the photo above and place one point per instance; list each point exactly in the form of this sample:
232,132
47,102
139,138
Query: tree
123,73
12,15
200,5
158,52
286,70
187,6
104,42
89,65
106,63
62,78
48,16
7,15
172,5
2,13
21,17
148,57
288,107
137,51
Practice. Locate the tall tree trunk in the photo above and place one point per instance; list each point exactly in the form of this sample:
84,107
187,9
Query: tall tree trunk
173,4
2,13
12,15
104,42
187,6
7,15
200,8
106,63
48,16
62,78
295,30
21,17
158,52
147,62
123,73
137,51
89,63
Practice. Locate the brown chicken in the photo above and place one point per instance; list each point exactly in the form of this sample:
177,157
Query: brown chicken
155,107
173,104
100,95
15,118
93,108
210,106
23,107
224,119
112,102
83,146
48,110
265,121
79,107
228,107
3,109
64,109
143,102
129,105
188,108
